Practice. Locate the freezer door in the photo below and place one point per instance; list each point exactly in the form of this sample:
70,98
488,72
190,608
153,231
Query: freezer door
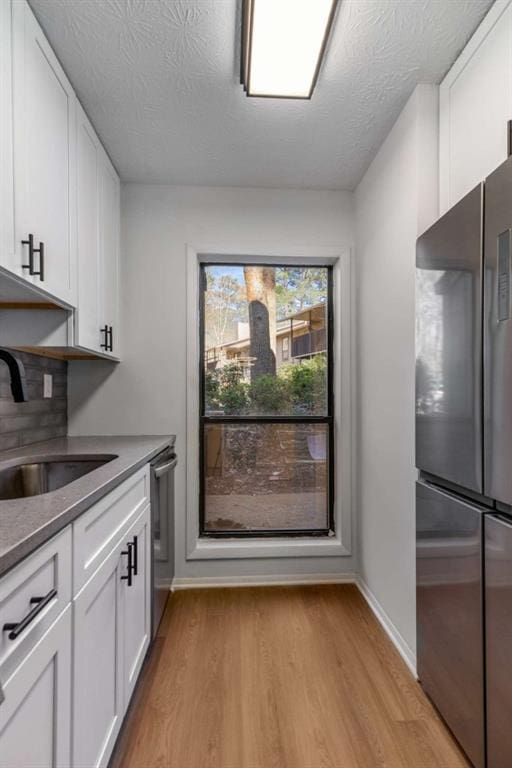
498,335
498,610
449,345
449,604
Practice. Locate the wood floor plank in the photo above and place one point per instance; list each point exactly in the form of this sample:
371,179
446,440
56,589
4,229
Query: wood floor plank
279,677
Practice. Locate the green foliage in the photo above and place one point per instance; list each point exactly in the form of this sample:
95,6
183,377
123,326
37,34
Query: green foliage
226,391
298,388
299,287
269,394
307,385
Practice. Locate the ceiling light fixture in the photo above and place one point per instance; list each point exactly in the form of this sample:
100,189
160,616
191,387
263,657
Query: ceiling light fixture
283,42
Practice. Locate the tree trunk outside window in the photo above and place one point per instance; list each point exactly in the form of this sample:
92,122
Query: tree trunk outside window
260,283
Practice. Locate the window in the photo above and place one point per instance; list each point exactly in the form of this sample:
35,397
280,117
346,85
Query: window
266,411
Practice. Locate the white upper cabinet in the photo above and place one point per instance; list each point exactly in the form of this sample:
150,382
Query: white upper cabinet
96,319
59,197
87,318
475,107
109,196
44,136
7,258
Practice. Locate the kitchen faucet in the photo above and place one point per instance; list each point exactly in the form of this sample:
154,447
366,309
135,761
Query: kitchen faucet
17,373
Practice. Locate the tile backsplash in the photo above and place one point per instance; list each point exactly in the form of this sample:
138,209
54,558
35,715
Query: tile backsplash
38,418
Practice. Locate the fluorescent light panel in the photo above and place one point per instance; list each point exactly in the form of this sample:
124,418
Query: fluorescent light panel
283,43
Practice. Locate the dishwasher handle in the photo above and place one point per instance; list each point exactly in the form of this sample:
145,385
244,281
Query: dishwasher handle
162,469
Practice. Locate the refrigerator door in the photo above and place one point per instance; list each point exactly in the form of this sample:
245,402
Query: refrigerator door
498,602
449,603
498,335
449,346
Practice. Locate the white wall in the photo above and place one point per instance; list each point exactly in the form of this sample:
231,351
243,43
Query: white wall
146,393
395,201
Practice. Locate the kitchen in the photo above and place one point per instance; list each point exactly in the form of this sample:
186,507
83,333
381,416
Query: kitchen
222,561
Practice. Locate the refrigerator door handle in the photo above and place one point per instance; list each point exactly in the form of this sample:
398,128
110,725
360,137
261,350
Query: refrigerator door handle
503,272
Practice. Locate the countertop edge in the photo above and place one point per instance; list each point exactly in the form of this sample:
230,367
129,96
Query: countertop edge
40,536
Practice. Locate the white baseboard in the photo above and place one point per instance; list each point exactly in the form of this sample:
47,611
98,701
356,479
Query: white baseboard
301,579
392,632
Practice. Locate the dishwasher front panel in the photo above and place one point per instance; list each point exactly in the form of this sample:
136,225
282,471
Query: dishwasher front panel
498,611
449,599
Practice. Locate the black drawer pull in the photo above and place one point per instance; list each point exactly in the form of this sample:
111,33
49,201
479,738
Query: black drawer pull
128,576
111,342
40,603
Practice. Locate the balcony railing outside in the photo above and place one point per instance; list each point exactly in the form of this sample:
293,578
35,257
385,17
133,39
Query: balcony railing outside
310,343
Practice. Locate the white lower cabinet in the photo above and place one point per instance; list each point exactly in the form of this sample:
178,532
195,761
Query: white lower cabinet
67,678
111,635
137,605
35,725
97,672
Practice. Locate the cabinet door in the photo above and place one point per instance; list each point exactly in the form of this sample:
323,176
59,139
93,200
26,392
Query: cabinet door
87,318
498,638
137,604
44,158
35,723
475,106
449,604
7,258
97,673
109,193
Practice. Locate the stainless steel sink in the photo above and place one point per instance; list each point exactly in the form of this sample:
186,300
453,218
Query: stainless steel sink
45,475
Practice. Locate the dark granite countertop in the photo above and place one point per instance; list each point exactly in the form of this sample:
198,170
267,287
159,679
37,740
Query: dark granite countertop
27,523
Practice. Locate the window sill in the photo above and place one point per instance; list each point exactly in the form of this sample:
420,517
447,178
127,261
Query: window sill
232,549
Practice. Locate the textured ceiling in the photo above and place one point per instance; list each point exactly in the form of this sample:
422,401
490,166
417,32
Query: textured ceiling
160,82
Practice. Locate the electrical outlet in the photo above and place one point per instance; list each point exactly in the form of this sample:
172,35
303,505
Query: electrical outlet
47,385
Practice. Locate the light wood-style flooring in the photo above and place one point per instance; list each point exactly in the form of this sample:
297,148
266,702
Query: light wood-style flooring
279,677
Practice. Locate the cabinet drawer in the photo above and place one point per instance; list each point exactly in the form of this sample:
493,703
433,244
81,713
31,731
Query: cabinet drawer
99,529
46,570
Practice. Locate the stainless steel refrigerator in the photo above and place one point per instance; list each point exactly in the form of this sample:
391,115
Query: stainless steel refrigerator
464,454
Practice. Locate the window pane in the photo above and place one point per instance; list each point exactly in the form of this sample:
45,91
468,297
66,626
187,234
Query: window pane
265,340
265,476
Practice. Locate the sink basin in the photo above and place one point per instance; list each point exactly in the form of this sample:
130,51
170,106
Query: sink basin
45,475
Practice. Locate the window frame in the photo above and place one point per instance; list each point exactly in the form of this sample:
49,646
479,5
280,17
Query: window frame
215,556
328,419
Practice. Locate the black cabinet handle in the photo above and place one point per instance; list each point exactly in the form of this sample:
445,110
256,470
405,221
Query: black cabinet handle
15,629
135,555
105,343
31,252
30,265
129,569
40,251
108,344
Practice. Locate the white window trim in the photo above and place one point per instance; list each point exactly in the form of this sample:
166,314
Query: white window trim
339,545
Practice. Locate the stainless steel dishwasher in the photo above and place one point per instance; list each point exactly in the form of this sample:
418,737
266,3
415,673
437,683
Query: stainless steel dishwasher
162,521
